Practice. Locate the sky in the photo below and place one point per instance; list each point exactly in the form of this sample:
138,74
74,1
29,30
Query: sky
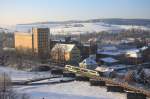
28,11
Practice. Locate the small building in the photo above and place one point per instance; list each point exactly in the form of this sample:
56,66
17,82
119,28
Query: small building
89,63
135,56
65,52
104,71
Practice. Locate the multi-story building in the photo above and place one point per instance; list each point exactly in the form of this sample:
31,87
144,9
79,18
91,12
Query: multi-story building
40,40
37,41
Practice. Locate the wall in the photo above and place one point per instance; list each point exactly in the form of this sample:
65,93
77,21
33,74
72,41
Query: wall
23,40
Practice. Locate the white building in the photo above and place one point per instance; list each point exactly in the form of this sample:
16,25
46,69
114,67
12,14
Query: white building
89,63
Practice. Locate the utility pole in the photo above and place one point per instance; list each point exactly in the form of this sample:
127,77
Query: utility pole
4,86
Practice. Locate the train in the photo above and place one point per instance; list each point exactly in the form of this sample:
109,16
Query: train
80,70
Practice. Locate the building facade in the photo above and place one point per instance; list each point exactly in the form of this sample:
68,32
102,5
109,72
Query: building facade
37,41
23,40
68,53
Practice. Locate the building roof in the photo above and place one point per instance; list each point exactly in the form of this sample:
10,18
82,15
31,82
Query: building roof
135,52
109,60
109,50
109,53
23,33
104,69
89,61
65,47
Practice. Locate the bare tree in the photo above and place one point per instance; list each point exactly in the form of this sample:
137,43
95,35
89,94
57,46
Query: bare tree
129,77
58,55
6,90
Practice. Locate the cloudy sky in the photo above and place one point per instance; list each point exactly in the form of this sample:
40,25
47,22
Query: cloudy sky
26,11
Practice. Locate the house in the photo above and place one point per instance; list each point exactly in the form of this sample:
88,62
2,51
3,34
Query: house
65,52
134,56
89,63
104,71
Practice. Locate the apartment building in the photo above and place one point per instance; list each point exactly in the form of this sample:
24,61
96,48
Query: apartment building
37,41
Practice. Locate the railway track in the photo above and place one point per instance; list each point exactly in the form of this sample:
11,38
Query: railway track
94,75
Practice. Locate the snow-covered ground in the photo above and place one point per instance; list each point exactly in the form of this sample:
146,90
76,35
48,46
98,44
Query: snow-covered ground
82,28
18,75
71,90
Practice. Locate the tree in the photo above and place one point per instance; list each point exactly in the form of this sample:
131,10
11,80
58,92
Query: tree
58,55
6,91
129,77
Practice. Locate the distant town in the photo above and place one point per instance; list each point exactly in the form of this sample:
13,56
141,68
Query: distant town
119,60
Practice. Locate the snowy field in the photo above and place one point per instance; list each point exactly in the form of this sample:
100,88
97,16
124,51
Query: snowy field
77,28
71,90
18,75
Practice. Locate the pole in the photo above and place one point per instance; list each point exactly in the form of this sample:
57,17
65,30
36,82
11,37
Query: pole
4,87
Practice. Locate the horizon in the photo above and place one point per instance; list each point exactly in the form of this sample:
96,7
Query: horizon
24,12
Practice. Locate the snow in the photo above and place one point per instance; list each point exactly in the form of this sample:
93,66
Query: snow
136,51
71,90
65,47
120,67
53,80
144,48
73,28
112,53
109,60
147,72
89,61
84,28
104,69
18,75
109,48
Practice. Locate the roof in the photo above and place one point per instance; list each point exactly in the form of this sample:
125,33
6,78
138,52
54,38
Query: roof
112,53
135,52
109,50
65,47
104,69
109,60
89,61
59,40
23,33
